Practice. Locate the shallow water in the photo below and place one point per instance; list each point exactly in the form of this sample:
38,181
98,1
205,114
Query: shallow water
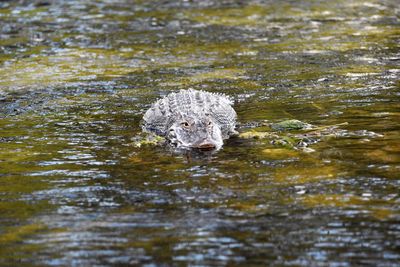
76,77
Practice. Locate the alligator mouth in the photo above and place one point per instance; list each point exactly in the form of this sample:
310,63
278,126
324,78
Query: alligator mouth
206,146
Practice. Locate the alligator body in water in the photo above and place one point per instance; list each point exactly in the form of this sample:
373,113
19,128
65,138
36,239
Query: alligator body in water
192,119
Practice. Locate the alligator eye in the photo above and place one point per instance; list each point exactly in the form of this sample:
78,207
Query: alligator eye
185,124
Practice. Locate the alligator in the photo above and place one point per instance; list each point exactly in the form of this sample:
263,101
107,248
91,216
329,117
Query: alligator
192,119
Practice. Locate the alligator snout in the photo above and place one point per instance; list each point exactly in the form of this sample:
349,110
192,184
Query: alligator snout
206,145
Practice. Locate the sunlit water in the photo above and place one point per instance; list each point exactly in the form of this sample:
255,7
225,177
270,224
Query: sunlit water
77,76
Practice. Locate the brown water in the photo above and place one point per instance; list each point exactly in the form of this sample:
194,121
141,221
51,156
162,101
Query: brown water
77,76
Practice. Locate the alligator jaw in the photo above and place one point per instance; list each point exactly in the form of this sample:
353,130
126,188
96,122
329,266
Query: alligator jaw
206,145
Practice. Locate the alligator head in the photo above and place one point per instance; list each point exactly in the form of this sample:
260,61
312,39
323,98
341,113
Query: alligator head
195,132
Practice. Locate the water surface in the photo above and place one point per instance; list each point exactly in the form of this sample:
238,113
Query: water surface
77,76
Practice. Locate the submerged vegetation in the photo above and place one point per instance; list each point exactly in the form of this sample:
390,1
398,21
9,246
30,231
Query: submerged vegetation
312,179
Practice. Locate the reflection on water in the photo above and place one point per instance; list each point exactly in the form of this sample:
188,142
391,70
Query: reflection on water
76,77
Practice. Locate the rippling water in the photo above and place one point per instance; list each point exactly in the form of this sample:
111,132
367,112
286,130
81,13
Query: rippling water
77,76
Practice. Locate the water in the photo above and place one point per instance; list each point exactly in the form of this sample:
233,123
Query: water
77,76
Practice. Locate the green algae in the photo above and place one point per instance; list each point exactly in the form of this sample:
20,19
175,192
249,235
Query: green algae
290,125
231,74
21,210
68,65
20,233
71,65
14,245
358,70
280,153
384,212
149,140
298,135
250,15
293,175
257,135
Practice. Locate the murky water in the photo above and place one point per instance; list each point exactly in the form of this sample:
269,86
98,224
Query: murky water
76,77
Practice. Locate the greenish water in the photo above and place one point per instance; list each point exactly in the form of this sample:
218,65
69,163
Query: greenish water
77,76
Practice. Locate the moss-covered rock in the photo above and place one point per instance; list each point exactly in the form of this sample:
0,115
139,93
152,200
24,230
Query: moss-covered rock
290,125
147,140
